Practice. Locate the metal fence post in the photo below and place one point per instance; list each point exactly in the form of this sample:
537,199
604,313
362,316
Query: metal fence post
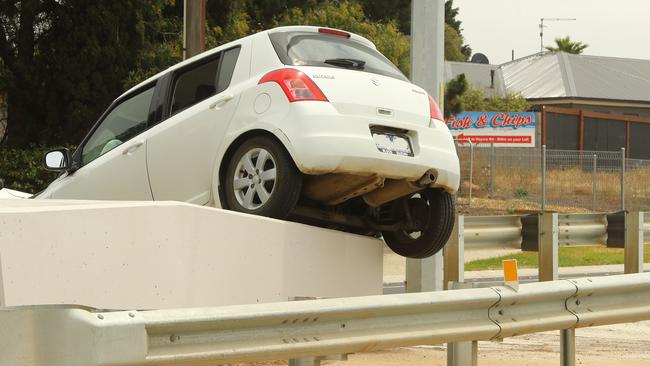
622,179
593,184
471,172
491,168
634,241
543,177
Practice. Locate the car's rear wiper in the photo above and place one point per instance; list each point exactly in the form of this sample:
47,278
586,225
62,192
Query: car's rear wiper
346,62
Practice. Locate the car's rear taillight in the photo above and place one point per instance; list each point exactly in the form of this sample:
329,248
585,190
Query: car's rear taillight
434,110
297,86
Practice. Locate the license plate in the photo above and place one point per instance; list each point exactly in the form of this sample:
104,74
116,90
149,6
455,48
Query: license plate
392,144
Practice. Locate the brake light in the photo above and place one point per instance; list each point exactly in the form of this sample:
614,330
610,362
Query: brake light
334,32
296,85
434,110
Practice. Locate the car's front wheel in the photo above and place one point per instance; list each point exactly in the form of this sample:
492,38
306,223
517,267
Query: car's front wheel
428,218
262,179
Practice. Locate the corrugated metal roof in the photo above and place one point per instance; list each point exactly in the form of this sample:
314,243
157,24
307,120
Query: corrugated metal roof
560,75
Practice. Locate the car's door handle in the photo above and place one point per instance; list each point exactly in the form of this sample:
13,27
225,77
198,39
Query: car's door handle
134,146
221,101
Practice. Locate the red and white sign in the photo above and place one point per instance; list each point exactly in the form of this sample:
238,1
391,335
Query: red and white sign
516,129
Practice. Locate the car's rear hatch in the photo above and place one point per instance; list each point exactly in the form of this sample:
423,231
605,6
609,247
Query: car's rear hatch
355,77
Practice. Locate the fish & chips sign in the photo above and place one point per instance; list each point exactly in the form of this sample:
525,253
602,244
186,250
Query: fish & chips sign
501,128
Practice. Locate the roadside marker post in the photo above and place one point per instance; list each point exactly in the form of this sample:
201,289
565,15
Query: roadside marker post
510,274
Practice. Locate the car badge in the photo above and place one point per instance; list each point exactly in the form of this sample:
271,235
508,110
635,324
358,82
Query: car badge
375,81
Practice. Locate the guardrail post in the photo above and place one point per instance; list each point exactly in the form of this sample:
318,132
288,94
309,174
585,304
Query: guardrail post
462,354
454,254
548,246
548,271
568,347
459,353
306,361
634,240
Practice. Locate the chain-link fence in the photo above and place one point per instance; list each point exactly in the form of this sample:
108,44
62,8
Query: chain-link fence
595,180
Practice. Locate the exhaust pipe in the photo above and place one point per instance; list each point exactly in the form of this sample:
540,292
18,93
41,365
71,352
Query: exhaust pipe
394,189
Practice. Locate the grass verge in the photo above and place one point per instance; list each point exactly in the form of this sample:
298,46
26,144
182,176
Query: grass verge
568,257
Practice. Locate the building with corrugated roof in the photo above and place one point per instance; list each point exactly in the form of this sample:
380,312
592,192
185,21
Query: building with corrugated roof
586,102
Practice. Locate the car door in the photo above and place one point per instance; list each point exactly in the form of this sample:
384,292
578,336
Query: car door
112,158
181,151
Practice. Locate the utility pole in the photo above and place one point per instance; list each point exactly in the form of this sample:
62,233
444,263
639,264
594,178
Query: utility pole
193,27
541,29
427,71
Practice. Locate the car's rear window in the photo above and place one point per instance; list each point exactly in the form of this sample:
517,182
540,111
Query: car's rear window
312,49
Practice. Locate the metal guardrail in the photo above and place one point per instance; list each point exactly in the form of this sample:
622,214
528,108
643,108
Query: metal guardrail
205,336
487,232
582,229
493,231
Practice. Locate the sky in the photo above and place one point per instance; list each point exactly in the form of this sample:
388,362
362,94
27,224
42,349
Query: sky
618,28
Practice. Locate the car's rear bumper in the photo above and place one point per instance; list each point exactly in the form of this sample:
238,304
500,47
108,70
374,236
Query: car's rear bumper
323,141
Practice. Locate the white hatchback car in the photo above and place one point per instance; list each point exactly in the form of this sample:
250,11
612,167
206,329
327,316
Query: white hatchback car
305,123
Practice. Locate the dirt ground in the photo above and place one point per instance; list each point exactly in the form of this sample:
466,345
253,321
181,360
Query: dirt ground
615,345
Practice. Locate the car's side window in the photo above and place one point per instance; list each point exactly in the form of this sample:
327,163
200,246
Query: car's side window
195,85
227,68
204,80
122,123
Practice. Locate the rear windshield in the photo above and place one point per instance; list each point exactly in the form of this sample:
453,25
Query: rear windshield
312,49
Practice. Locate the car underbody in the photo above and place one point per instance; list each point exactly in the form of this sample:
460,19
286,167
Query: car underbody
363,204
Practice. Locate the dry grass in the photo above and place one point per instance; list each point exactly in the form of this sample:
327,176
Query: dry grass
564,187
512,206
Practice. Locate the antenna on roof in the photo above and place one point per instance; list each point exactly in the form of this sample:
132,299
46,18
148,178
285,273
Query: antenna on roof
541,29
479,58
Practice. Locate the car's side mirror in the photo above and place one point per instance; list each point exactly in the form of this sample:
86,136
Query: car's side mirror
57,160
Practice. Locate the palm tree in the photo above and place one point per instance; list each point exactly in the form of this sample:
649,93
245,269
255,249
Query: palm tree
567,45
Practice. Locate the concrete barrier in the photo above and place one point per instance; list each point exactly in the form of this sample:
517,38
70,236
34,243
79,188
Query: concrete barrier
156,255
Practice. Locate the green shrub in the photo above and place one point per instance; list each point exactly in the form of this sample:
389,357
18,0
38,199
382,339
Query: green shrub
21,169
521,193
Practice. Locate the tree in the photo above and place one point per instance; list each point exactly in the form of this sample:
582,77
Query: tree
567,45
452,22
350,16
66,60
454,91
473,99
453,45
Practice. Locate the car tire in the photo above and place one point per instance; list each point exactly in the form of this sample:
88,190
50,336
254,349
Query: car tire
437,210
273,184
